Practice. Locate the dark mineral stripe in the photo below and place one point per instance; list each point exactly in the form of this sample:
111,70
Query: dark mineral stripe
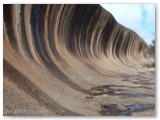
23,33
7,16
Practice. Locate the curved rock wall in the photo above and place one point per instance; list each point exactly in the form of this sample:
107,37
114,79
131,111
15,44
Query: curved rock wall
56,53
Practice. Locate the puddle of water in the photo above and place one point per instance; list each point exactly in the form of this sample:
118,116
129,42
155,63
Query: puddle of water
136,108
137,95
112,110
140,107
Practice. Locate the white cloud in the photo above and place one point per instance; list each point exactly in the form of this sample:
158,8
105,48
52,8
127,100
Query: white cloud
133,17
150,13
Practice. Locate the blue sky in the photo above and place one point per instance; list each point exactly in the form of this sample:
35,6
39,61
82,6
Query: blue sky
138,17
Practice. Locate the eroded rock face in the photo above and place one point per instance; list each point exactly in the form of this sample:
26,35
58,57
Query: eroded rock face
57,53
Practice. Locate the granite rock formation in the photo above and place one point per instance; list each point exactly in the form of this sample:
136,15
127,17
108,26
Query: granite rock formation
54,56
